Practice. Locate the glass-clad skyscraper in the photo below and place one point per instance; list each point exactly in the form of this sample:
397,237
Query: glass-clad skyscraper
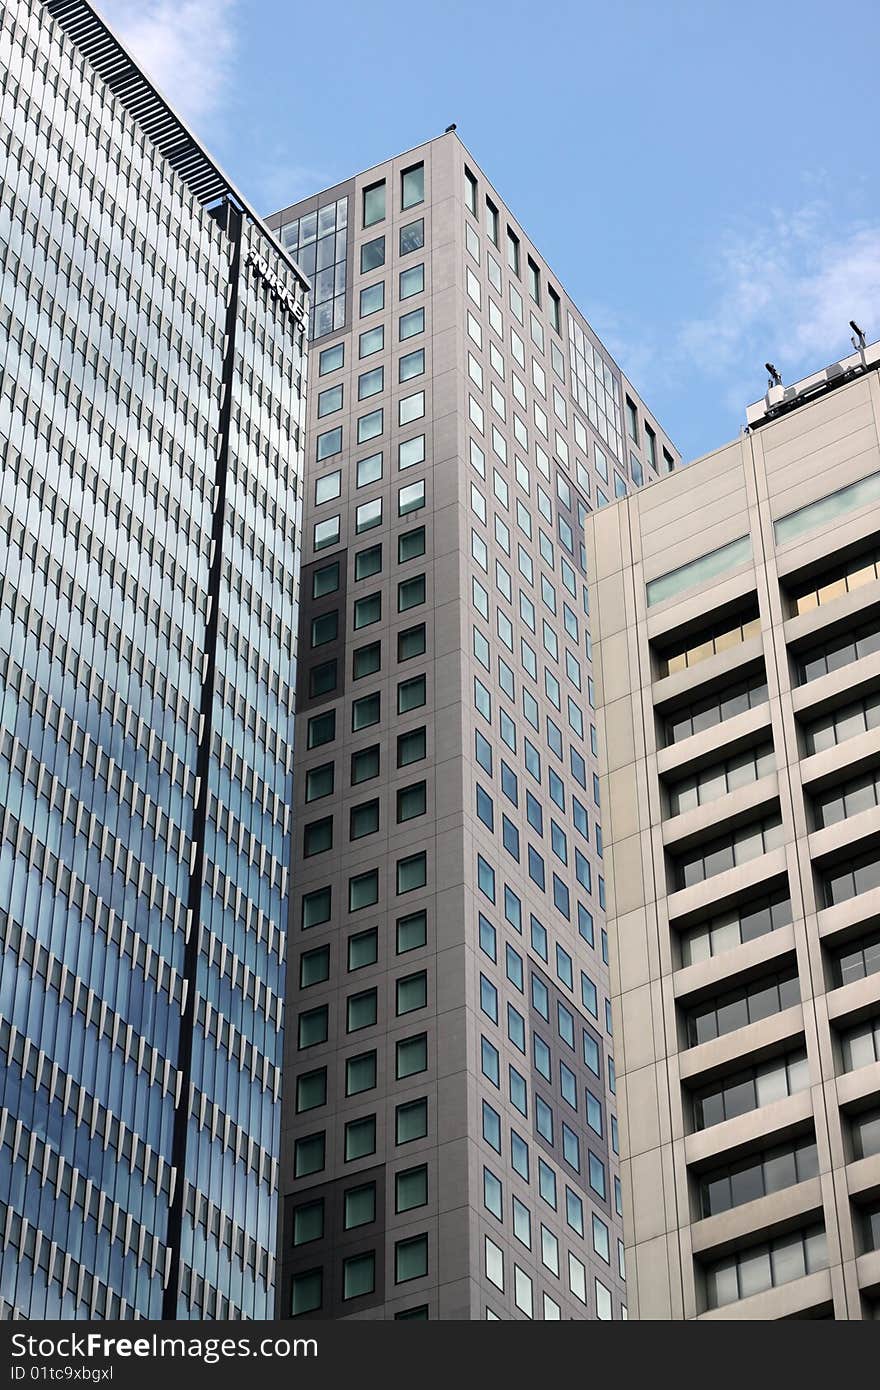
151,384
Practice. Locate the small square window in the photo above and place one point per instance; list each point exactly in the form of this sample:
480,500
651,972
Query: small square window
412,932
367,610
412,281
412,1056
411,498
411,1188
320,782
325,580
372,340
412,993
329,401
363,820
411,1121
360,1073
368,562
363,890
359,1275
322,679
410,1259
372,255
314,967
308,1155
366,711
412,873
411,801
411,642
366,661
412,364
361,1011
363,949
306,1292
308,1222
410,593
410,544
370,426
316,908
411,694
311,1090
372,299
365,764
412,237
368,515
359,1139
331,359
411,747
359,1208
370,383
411,325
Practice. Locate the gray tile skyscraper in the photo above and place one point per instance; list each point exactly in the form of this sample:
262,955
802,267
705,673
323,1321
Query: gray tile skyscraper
738,670
151,402
449,1144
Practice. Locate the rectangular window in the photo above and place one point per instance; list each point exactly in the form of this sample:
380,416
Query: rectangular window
412,186
374,204
513,252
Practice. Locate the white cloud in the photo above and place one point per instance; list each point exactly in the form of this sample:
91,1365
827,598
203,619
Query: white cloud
185,46
786,291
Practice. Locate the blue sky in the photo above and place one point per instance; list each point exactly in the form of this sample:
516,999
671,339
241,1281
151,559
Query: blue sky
702,175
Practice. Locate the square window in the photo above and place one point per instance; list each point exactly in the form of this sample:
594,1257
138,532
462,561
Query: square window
411,642
372,340
410,498
412,451
412,873
361,1010
367,610
308,1155
360,1073
411,694
329,443
411,1189
412,281
412,237
316,908
312,1027
410,593
306,1292
368,515
410,545
366,712
308,1222
411,408
411,747
411,324
360,1138
411,1121
368,562
325,628
372,255
319,782
311,1090
412,1056
370,383
411,802
359,1275
363,820
372,299
331,359
323,679
410,1259
412,364
325,580
412,932
363,890
314,967
325,533
363,949
369,426
359,1207
329,401
365,764
412,993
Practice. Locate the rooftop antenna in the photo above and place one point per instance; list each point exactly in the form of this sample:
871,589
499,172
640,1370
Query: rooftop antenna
858,342
449,128
775,378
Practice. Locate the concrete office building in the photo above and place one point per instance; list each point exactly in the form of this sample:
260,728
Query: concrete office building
449,1117
151,401
738,671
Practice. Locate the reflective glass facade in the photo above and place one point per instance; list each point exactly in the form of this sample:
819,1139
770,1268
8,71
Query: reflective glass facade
151,380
